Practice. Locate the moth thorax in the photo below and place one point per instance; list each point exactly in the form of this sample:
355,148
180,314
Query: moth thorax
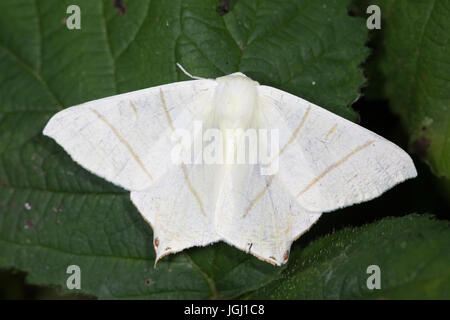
235,101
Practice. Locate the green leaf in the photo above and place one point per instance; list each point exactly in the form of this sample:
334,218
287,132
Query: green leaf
415,63
54,214
411,252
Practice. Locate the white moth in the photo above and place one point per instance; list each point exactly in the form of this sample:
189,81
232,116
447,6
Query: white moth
324,162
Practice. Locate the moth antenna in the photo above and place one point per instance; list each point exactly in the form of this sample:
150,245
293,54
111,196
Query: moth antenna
188,74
